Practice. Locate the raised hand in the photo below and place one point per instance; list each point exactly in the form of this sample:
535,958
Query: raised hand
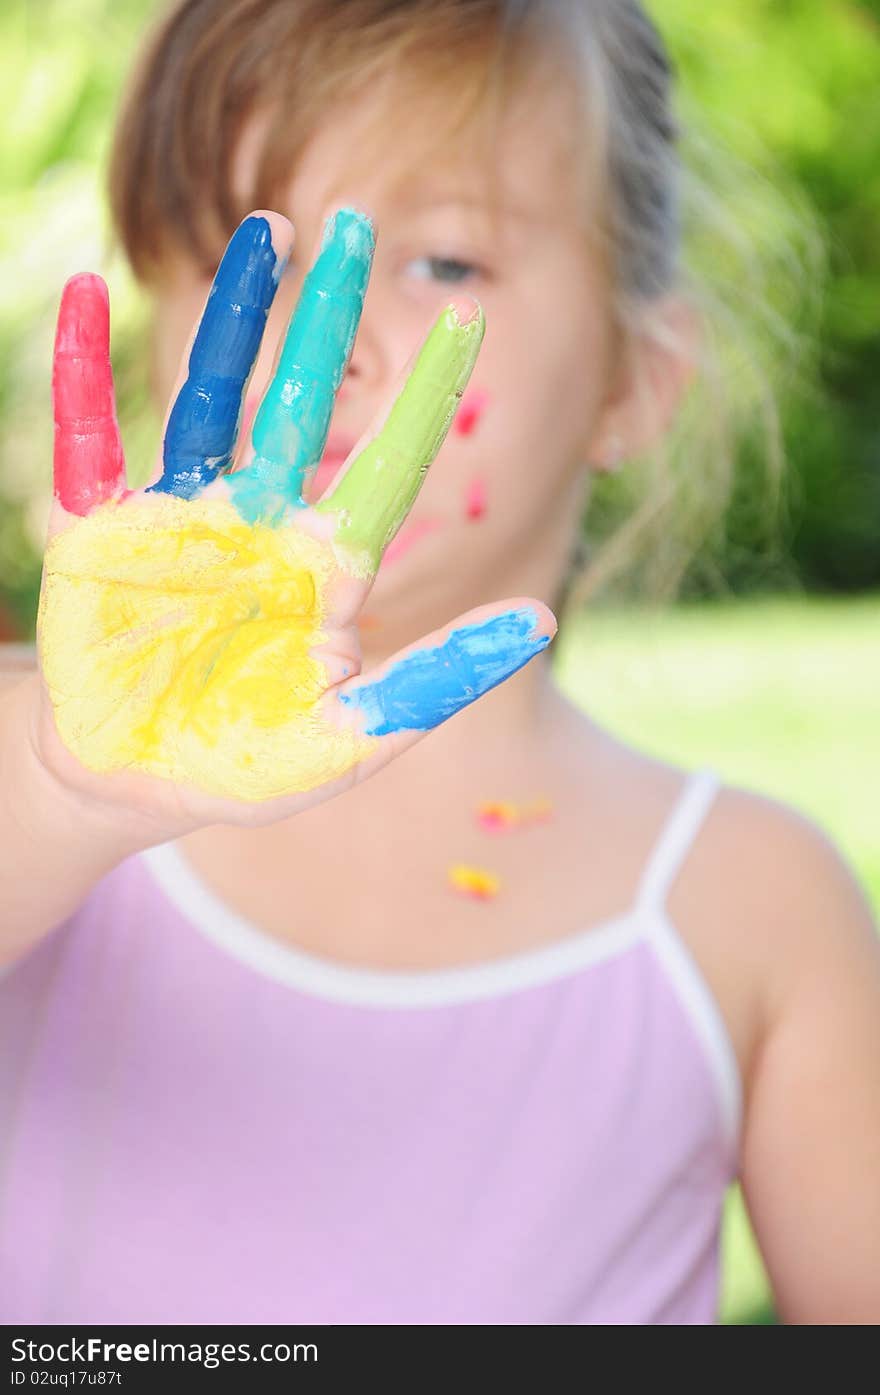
198,639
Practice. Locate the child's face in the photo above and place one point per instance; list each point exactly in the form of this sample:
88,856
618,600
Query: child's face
498,510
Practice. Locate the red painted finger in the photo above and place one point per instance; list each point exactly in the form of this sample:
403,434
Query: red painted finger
89,464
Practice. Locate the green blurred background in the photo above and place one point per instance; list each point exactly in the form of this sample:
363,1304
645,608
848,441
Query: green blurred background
768,667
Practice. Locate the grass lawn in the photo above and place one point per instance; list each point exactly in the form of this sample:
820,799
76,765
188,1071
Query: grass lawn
778,695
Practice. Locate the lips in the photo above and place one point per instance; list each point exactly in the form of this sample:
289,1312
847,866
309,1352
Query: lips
336,452
409,534
247,416
337,449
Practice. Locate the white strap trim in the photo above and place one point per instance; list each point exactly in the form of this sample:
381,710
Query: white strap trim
676,837
698,1001
696,997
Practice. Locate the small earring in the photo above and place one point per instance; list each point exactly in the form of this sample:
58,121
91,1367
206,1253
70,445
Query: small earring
612,454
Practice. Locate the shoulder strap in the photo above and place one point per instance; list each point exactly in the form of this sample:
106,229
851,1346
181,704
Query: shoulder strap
676,837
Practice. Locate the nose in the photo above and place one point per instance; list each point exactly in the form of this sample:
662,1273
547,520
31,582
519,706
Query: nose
370,361
388,338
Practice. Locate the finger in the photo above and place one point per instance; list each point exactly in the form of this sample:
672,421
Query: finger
431,681
89,463
203,423
292,422
377,490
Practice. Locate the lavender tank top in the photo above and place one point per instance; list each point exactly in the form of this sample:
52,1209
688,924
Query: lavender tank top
199,1124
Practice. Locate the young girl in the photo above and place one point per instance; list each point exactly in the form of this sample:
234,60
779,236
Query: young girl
486,1036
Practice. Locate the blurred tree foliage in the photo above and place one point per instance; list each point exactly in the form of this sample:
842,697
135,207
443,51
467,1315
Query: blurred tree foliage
62,63
801,79
789,90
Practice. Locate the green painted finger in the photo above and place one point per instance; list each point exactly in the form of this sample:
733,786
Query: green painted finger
378,489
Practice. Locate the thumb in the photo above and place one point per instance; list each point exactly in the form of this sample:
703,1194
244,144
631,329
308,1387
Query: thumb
425,684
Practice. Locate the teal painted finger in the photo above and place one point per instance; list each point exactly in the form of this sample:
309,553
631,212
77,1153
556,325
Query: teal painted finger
290,428
378,489
430,685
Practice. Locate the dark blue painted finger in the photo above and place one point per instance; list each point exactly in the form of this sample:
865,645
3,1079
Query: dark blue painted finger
203,424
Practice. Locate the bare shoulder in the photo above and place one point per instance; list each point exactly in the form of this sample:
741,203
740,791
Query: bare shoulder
768,898
800,934
766,881
762,897
783,872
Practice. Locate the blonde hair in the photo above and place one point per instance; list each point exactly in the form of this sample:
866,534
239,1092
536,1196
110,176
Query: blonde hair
213,64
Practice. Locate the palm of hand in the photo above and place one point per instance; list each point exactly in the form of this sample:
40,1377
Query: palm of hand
182,638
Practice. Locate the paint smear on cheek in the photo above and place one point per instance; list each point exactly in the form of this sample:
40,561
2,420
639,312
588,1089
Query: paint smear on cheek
474,882
467,419
469,414
408,536
475,499
176,639
248,414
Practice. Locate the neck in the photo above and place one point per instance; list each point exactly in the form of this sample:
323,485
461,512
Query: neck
482,744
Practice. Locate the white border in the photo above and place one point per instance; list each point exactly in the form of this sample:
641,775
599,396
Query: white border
346,983
700,1005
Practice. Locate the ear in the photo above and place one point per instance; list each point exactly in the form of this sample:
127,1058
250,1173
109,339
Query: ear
658,362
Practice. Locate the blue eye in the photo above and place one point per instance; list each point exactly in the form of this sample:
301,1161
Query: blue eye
448,269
